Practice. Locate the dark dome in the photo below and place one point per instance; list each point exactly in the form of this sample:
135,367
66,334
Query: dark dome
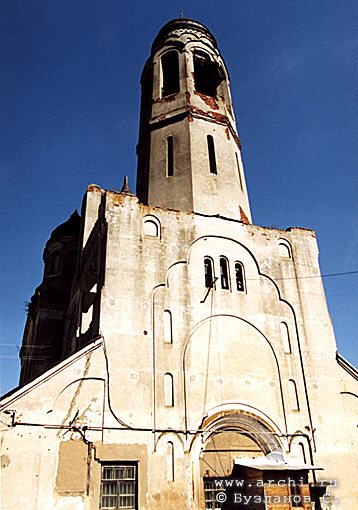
180,23
69,228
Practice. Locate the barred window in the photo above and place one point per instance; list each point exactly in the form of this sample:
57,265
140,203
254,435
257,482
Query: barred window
119,486
211,490
296,496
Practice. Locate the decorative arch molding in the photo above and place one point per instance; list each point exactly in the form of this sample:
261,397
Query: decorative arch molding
151,226
261,335
172,436
170,46
228,419
349,393
243,418
280,298
197,43
284,249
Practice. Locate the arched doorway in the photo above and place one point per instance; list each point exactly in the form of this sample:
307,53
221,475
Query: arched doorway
227,437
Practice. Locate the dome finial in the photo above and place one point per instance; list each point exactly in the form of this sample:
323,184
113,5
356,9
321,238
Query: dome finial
125,186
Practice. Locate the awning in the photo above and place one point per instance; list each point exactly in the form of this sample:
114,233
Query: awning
274,461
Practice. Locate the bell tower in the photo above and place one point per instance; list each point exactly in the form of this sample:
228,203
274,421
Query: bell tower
189,152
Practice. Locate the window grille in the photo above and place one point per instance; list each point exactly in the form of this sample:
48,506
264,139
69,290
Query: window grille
211,491
118,487
296,497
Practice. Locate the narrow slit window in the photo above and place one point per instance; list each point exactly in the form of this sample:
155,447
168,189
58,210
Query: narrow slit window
170,461
212,158
295,405
167,327
168,390
55,263
209,272
239,277
285,338
170,156
239,171
303,452
224,273
170,73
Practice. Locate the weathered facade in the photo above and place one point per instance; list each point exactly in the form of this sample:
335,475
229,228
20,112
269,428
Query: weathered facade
191,339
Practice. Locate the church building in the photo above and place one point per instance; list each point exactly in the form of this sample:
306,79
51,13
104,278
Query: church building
175,355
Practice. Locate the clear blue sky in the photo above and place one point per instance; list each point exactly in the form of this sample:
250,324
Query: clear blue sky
69,116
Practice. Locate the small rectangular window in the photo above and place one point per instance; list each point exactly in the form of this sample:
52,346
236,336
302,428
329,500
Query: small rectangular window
212,158
119,486
170,156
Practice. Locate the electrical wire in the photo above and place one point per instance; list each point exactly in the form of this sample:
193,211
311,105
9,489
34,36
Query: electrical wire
125,425
328,275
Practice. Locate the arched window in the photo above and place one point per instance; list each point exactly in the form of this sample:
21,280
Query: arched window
212,158
54,262
284,249
209,272
285,338
170,73
151,226
168,390
239,277
170,156
167,327
224,273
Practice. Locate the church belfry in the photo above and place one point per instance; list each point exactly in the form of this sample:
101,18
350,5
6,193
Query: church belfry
189,152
